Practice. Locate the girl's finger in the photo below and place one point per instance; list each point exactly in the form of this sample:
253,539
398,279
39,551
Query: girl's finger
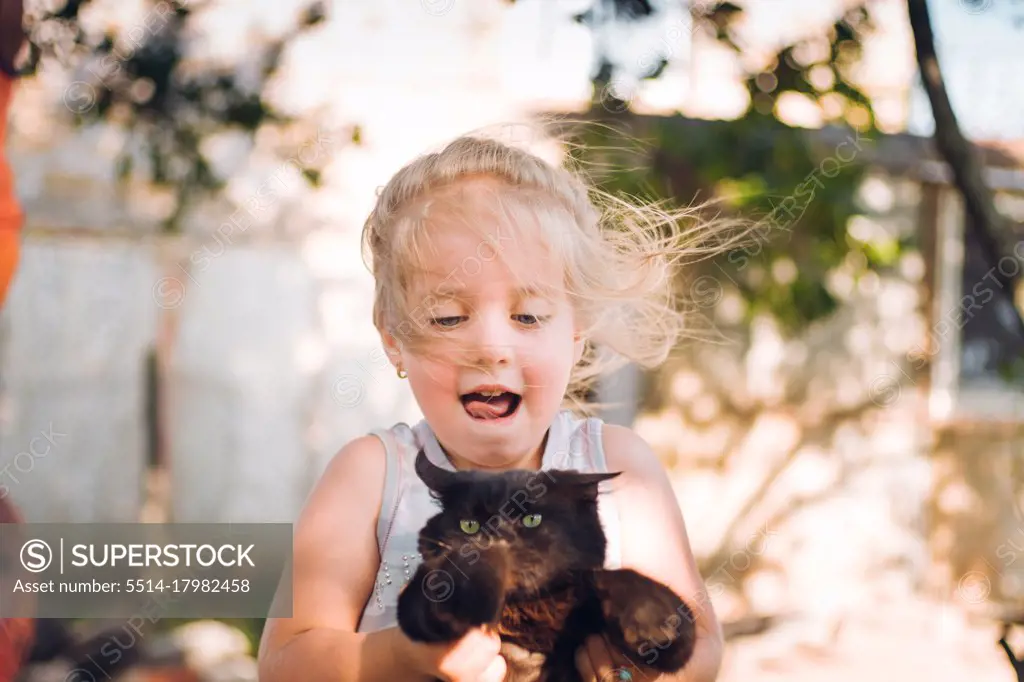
600,658
477,651
623,673
623,669
468,655
495,672
583,665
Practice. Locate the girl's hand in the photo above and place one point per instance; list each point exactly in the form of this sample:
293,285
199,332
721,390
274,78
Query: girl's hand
598,661
473,658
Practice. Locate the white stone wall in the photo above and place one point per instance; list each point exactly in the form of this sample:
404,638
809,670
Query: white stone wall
77,325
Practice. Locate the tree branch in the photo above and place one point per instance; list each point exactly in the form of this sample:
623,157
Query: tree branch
984,221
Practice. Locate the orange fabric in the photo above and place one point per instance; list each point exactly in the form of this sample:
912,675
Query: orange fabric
10,248
16,634
10,210
16,637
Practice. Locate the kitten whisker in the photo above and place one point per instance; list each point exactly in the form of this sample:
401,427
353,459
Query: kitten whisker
442,545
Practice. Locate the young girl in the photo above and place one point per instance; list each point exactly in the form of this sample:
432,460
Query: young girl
496,278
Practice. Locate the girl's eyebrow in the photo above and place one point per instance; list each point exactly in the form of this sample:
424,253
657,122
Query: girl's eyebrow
450,292
447,291
535,290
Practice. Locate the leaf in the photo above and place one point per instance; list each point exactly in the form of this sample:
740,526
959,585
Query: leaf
169,110
313,176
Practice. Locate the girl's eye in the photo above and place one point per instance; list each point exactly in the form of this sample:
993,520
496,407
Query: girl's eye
469,526
450,321
531,520
528,319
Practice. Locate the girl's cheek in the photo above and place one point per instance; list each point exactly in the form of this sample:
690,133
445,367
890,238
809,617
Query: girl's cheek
435,369
536,364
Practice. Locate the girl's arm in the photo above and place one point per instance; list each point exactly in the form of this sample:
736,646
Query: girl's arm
333,570
655,542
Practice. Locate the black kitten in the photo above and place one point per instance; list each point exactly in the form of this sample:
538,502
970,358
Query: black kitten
523,552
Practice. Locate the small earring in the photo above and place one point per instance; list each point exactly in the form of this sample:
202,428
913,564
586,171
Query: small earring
402,373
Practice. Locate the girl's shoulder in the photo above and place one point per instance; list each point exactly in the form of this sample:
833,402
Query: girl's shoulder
401,440
368,457
626,450
360,465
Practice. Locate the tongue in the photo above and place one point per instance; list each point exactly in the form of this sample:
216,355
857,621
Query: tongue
490,409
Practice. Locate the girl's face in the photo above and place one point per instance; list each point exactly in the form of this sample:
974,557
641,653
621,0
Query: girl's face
494,377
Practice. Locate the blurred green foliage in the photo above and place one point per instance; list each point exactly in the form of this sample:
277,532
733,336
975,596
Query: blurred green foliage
252,628
803,190
141,79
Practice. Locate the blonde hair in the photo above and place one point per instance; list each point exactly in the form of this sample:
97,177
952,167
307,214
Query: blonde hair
619,254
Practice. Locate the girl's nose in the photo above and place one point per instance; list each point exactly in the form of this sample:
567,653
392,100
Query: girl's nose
491,356
494,344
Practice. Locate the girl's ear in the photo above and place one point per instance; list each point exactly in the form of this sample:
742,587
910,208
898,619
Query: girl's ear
392,348
578,485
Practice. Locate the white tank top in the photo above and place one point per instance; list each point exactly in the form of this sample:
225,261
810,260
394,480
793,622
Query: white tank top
573,443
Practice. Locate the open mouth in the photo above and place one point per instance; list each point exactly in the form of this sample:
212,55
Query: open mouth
490,405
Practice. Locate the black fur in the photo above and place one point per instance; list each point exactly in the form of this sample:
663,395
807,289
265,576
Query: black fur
543,589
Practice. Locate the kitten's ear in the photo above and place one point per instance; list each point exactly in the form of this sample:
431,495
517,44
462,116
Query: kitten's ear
579,483
435,478
578,478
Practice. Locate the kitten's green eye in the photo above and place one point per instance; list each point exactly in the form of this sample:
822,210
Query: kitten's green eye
531,520
469,526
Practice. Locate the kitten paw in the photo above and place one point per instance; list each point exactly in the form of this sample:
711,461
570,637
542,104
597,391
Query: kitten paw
646,619
437,606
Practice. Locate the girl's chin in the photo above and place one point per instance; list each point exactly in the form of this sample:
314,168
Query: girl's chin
498,461
493,443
